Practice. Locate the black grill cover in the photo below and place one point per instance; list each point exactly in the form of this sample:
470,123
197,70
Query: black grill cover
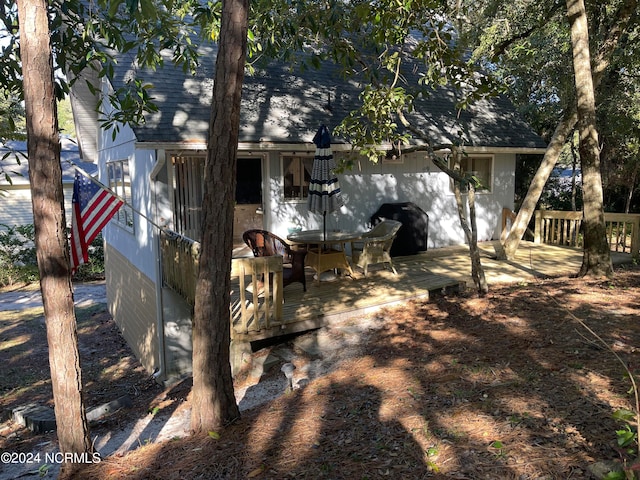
412,236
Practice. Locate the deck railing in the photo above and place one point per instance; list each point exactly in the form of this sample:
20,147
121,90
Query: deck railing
256,284
508,219
556,227
180,257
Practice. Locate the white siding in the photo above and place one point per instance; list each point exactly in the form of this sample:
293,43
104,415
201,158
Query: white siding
16,207
138,245
130,256
416,180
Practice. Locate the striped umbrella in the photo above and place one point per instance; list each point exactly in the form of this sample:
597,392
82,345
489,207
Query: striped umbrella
324,189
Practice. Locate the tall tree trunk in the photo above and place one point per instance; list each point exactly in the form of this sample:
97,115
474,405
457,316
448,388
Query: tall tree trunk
625,12
632,186
213,403
50,226
470,230
597,255
575,158
528,207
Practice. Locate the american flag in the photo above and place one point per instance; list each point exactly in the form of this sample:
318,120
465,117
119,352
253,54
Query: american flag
93,206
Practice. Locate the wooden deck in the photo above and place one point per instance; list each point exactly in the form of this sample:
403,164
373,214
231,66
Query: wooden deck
419,277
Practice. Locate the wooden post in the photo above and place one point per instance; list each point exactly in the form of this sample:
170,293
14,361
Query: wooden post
635,238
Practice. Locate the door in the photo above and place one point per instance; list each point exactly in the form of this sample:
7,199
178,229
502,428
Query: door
248,210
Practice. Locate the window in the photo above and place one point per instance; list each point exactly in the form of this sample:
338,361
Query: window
296,175
479,167
120,184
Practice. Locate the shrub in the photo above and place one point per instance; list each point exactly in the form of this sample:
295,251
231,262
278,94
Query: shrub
94,268
17,254
18,263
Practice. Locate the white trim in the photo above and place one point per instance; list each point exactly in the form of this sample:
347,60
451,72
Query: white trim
496,150
161,160
310,147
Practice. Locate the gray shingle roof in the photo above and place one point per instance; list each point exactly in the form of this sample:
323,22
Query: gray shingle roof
17,166
283,105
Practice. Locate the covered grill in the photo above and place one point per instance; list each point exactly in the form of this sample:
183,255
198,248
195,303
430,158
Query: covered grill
412,236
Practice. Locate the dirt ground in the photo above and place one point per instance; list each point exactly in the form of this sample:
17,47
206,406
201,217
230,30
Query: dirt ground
508,386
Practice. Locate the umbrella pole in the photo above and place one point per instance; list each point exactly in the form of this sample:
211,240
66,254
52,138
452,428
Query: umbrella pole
324,227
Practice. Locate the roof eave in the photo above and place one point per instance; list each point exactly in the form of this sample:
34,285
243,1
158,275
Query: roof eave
310,147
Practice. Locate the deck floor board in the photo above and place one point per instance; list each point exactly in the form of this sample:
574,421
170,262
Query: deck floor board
419,276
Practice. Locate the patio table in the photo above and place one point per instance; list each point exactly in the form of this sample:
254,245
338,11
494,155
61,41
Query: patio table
325,252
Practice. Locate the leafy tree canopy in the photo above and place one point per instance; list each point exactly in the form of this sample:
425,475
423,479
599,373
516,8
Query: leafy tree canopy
528,44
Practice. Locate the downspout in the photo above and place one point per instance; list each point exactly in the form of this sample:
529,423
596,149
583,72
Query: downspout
160,373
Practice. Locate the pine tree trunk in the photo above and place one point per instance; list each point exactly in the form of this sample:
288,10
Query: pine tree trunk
213,401
528,207
50,227
624,14
597,255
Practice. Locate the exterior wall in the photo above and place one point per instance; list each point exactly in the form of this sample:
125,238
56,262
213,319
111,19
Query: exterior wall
131,266
131,297
16,208
368,186
138,243
416,180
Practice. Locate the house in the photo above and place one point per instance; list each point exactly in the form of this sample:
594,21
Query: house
158,166
15,195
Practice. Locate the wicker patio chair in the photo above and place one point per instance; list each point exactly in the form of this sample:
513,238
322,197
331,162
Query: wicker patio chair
265,244
375,245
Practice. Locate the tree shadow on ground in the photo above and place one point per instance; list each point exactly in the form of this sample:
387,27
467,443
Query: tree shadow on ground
505,386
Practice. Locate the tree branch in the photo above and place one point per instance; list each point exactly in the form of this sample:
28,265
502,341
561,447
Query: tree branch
502,47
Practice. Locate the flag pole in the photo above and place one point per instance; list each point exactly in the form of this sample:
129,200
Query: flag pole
102,185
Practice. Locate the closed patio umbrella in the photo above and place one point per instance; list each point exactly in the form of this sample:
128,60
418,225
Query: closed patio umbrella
324,189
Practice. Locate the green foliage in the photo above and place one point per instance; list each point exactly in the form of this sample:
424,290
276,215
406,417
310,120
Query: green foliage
397,51
43,470
65,118
627,443
619,128
80,32
617,475
18,263
94,268
498,446
626,437
527,44
431,453
17,255
12,127
12,124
